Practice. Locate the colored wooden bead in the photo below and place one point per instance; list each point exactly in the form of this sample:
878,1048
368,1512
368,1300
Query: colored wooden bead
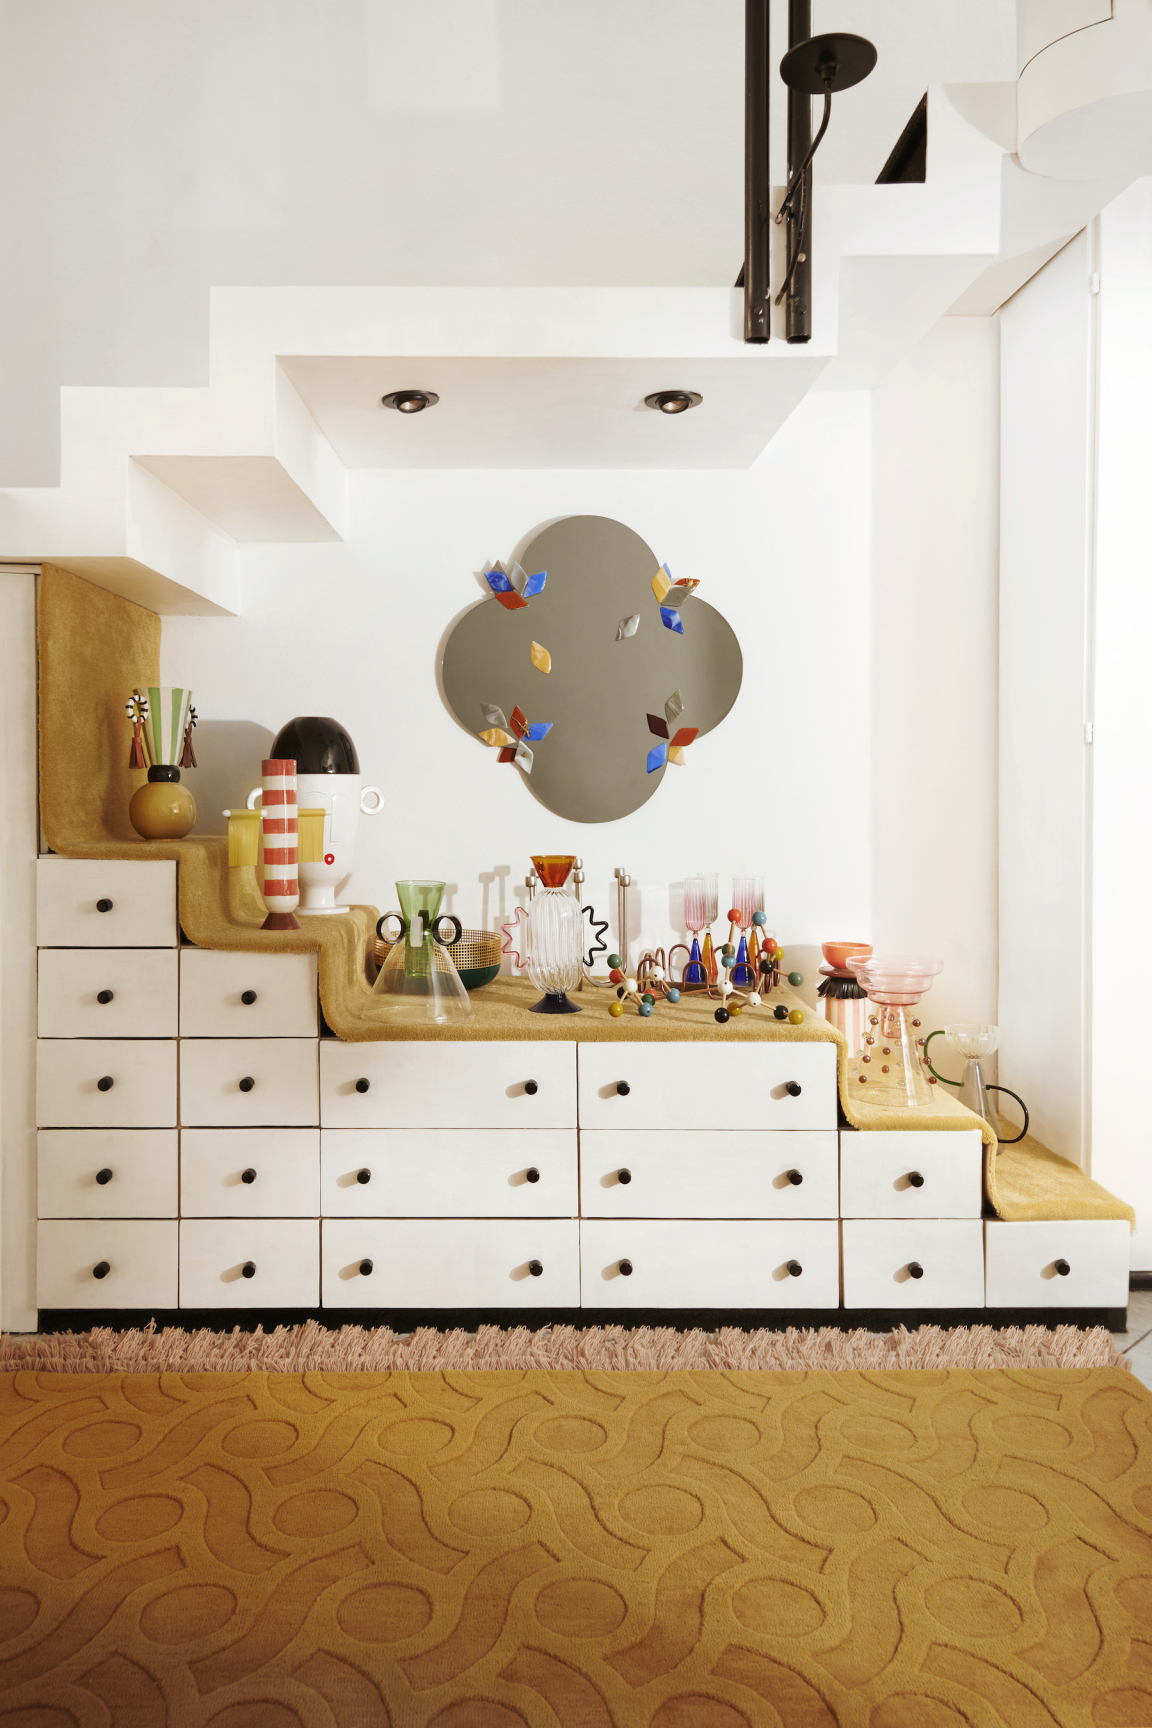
736,1008
754,998
621,992
615,960
725,987
616,1009
649,998
630,985
795,979
728,959
657,972
780,1011
732,915
862,1078
796,1017
759,918
673,994
616,975
645,1010
722,1015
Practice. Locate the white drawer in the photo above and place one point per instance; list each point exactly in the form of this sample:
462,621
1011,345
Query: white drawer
1023,1263
139,1254
431,1085
138,1167
879,1171
247,995
709,1265
142,1093
284,1254
448,1173
700,1175
707,1086
283,1092
250,1172
880,1252
71,891
97,993
451,1263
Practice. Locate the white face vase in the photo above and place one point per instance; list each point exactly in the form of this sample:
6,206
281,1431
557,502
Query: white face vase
344,799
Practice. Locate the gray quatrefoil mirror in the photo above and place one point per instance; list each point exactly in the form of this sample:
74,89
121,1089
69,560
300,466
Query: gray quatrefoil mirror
590,669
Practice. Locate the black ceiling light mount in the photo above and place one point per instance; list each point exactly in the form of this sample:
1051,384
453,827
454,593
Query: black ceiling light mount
410,401
673,401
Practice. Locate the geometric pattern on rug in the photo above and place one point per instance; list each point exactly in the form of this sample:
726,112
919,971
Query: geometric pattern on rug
486,1550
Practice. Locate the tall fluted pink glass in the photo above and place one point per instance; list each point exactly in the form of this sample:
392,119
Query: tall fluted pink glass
695,904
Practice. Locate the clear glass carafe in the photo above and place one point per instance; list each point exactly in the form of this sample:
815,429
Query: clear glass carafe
895,983
418,979
555,932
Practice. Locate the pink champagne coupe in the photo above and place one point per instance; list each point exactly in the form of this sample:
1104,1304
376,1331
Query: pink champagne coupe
696,918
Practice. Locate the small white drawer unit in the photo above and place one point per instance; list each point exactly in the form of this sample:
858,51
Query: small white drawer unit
907,1173
913,1262
424,1085
107,993
451,1263
107,1173
105,903
448,1172
106,1263
248,1083
240,1262
657,1263
1052,1263
707,1086
226,995
106,1083
679,1174
250,1172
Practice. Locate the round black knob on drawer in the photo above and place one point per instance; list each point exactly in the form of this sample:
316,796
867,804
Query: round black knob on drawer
536,1267
625,1268
104,997
103,905
362,1085
1063,1268
247,1083
365,1268
248,1176
363,1176
531,1088
101,1269
795,1177
104,1177
915,1180
248,997
623,1088
794,1269
248,1270
624,1176
532,1175
793,1088
915,1270
105,1084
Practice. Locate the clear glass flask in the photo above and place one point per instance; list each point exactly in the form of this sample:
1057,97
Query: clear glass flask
418,978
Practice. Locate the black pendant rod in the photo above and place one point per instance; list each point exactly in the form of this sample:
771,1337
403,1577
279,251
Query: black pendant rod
797,288
757,272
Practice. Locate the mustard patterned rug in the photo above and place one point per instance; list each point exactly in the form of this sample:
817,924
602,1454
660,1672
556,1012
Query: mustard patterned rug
488,1550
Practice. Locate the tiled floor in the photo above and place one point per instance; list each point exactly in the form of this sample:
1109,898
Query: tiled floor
1136,1343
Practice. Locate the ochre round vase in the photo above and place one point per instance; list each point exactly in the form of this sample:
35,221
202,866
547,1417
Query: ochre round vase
162,809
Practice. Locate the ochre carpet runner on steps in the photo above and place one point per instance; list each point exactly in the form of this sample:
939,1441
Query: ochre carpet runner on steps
597,1550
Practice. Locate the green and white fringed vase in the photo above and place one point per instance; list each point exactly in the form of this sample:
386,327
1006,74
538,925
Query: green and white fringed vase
162,718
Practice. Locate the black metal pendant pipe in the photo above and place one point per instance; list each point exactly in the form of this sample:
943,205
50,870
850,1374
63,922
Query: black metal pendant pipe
798,223
757,189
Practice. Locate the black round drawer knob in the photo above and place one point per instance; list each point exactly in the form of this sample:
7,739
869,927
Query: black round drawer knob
536,1267
363,1085
101,1269
105,1084
795,1177
103,906
1063,1268
624,1176
915,1270
104,997
794,1269
247,1083
104,1177
365,1268
625,1268
248,997
248,1176
249,1269
793,1088
915,1180
623,1088
364,1177
531,1088
532,1175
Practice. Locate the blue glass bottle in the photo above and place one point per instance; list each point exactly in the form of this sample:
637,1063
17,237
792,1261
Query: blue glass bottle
742,974
694,970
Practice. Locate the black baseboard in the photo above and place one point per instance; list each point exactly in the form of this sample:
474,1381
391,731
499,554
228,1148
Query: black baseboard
679,1319
1140,1280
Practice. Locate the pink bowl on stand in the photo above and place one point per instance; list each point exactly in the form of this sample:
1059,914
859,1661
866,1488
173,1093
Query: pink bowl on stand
896,980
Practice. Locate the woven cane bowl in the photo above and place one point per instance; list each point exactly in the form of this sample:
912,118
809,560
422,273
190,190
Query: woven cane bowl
476,956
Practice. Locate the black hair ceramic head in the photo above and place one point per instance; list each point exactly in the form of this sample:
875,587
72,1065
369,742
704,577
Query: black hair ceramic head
317,745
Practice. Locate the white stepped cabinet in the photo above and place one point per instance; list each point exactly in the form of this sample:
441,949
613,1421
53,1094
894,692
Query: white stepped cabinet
202,1147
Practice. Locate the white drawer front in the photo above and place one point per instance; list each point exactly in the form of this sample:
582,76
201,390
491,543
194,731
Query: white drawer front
707,1086
142,1093
250,1172
247,995
1023,1263
101,993
879,1171
429,1085
137,1167
451,1263
448,1173
879,1252
284,1254
283,1092
139,1253
69,892
709,1265
677,1174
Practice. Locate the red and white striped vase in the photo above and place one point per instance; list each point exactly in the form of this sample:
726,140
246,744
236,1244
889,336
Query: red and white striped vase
278,832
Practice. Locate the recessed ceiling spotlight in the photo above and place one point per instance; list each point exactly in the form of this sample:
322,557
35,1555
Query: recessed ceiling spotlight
410,401
673,401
